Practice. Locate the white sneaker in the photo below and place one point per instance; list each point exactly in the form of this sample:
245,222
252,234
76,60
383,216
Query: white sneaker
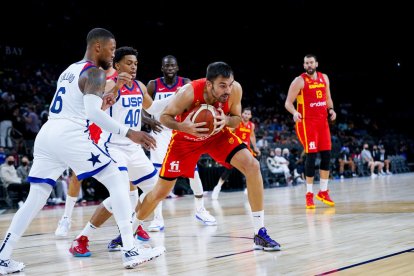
156,225
374,175
10,266
134,257
204,216
245,191
63,227
150,252
389,173
216,191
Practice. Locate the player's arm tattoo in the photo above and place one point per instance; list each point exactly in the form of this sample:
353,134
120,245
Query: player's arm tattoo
95,82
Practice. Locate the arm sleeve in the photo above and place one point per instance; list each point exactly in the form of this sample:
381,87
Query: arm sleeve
159,105
94,113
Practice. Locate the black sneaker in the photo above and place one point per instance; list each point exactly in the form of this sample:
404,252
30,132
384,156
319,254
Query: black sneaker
262,241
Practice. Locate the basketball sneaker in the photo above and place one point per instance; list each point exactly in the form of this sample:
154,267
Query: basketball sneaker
309,201
10,266
63,227
262,241
156,225
136,256
115,244
80,247
216,191
141,234
324,197
204,216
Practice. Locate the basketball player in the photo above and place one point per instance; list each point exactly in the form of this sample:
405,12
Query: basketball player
63,142
189,141
74,185
131,98
246,132
314,104
161,88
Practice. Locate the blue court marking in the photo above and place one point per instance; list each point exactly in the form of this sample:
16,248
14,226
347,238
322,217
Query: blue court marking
366,262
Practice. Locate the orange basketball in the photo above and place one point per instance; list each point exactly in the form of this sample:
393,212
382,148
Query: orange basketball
206,113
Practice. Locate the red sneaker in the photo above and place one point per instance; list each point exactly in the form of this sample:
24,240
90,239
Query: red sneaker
309,201
141,234
79,247
324,197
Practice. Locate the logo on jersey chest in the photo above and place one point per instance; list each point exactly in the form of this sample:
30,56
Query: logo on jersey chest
131,101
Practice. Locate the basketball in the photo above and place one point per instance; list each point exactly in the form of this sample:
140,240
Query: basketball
206,113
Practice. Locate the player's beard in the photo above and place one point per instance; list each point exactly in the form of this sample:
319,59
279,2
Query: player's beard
311,71
223,98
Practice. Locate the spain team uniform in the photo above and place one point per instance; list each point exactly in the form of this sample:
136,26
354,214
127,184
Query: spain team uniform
129,156
63,140
313,131
243,131
162,91
184,149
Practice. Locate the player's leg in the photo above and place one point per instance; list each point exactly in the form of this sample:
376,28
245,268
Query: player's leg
71,199
250,167
223,178
44,172
201,214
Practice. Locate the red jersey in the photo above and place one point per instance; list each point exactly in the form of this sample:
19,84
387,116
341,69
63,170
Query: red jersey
311,100
199,86
244,131
94,130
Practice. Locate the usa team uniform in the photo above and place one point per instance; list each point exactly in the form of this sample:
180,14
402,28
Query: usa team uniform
162,91
67,126
129,156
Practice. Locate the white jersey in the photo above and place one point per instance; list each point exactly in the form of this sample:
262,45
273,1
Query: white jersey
63,141
162,91
127,111
68,100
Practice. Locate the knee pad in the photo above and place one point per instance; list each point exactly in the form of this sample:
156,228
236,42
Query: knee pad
325,160
310,164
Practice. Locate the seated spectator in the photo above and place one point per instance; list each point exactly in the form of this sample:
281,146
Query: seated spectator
345,158
8,172
24,169
16,189
278,164
294,164
381,156
368,160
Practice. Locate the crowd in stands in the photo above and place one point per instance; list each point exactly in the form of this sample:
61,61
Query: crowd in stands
360,147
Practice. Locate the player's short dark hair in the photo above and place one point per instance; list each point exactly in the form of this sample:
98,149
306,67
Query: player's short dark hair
311,56
217,69
97,34
124,51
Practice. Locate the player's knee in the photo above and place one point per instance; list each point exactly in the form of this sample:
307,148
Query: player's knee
310,164
325,160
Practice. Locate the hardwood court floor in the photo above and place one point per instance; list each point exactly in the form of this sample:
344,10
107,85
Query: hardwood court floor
369,232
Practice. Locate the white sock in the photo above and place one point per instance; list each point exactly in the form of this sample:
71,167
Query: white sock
309,188
88,230
324,185
199,203
196,185
133,197
69,205
158,211
220,183
258,220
